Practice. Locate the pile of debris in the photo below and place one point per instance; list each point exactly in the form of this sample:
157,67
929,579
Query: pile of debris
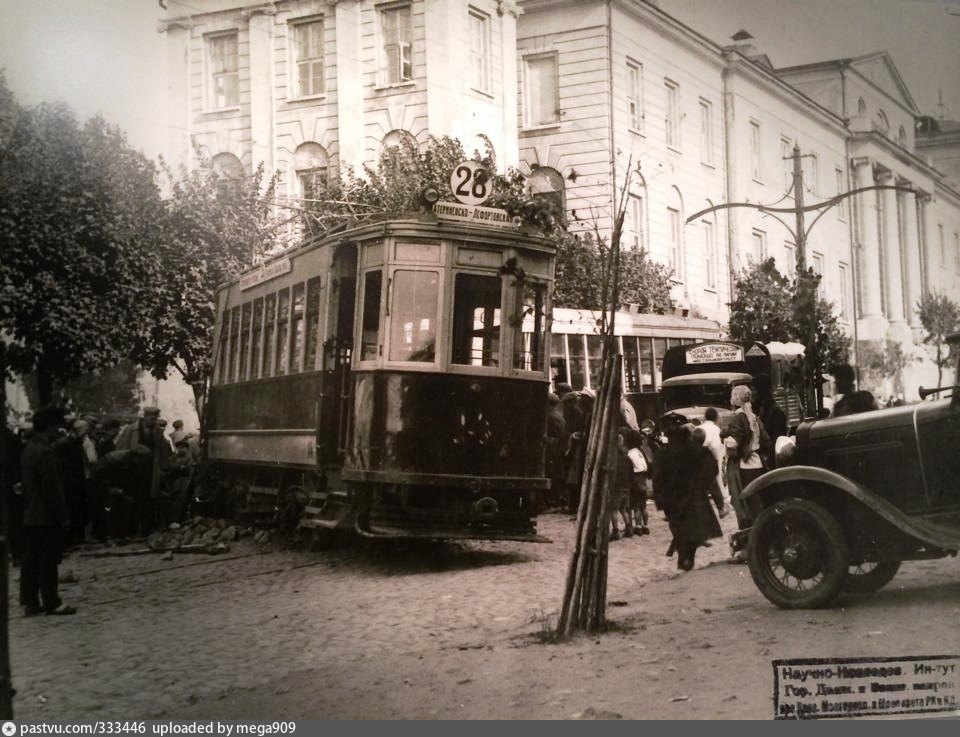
203,535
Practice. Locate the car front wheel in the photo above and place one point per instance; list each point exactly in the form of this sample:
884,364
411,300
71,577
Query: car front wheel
866,577
797,554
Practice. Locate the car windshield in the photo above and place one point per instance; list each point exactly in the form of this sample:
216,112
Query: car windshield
702,395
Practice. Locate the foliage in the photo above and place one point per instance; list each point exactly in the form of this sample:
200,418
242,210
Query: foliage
77,206
769,307
939,316
879,361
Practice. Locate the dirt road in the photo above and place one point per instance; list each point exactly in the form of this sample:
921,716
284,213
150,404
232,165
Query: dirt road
442,632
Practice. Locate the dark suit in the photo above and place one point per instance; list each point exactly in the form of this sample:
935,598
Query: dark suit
44,517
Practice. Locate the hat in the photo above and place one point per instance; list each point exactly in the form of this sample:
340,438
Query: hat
588,392
151,410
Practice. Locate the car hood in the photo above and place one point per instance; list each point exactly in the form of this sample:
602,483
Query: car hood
872,421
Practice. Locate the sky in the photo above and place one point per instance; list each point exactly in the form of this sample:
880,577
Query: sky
106,56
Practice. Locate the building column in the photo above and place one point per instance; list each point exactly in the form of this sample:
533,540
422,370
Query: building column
260,39
931,245
912,263
893,274
178,91
867,242
350,86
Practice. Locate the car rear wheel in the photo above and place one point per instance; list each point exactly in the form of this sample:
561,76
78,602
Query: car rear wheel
797,554
866,577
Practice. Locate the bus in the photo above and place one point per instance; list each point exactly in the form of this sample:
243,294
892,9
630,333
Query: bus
382,377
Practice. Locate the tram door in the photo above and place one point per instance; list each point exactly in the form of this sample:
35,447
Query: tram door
336,358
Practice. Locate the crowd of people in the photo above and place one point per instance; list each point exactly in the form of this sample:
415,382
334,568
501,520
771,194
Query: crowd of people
70,480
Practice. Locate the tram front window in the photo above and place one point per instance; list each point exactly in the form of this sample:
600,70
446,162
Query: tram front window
370,338
413,316
529,347
476,320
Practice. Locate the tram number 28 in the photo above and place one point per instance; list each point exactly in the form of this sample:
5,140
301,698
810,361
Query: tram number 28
471,183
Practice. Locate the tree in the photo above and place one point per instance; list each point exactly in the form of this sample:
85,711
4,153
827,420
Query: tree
939,316
770,307
77,208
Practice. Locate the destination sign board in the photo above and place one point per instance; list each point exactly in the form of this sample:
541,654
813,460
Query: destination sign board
473,214
714,353
266,273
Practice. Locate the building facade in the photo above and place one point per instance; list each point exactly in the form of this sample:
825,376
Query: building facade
596,102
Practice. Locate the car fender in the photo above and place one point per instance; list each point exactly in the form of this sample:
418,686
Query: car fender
938,535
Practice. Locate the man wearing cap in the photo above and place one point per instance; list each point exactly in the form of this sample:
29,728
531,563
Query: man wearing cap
45,517
145,440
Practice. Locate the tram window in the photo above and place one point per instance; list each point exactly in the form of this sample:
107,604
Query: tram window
659,348
646,365
558,360
575,342
673,342
222,357
372,286
528,351
631,364
296,329
413,316
283,331
257,336
476,320
595,359
234,343
313,324
269,331
244,340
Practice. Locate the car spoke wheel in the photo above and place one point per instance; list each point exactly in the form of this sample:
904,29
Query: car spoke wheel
866,577
797,554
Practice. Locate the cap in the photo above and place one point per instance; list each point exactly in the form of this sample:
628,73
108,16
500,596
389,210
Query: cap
588,392
151,410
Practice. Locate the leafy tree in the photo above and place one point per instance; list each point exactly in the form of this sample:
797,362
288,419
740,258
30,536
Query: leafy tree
939,316
76,211
769,307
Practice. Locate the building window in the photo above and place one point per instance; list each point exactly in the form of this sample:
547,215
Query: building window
308,58
223,63
861,106
786,157
672,119
635,95
310,166
902,136
479,50
541,94
676,246
710,251
396,34
635,221
789,259
842,276
759,240
229,173
546,184
818,270
755,150
883,124
706,132
811,173
841,204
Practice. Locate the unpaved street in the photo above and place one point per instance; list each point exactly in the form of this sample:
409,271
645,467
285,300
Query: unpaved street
442,631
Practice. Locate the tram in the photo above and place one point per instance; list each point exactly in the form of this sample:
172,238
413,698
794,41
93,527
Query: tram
382,376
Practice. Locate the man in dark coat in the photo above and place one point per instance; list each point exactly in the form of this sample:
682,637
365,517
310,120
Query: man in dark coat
69,449
145,441
682,474
44,517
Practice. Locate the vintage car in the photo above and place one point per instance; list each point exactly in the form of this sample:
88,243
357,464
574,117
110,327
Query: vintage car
863,493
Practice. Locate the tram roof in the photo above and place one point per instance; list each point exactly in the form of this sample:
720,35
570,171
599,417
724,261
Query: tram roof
580,321
414,226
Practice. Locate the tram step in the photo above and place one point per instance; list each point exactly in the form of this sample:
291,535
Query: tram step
325,524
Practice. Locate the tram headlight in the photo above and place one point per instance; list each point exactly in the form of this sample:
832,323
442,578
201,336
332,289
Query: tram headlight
485,507
429,197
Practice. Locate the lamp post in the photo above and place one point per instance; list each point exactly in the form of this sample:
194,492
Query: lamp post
800,231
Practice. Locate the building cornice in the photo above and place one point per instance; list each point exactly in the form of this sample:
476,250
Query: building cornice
264,9
183,23
900,154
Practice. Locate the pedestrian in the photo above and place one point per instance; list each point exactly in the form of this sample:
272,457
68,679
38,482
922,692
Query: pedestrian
620,490
772,418
699,437
72,455
178,433
714,443
12,491
145,441
556,442
577,408
45,516
640,483
682,473
747,431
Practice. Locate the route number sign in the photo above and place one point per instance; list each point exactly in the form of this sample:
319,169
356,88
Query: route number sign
471,183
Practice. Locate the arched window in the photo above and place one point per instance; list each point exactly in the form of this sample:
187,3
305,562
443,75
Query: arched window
310,168
399,142
902,136
635,223
711,261
547,184
883,125
861,107
227,166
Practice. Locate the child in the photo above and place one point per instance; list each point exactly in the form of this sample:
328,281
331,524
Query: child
640,467
620,493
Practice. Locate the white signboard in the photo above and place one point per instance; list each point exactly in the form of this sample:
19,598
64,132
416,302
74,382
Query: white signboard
266,273
473,214
471,183
714,353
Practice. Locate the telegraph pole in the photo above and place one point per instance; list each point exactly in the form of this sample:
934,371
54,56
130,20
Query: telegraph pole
800,231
